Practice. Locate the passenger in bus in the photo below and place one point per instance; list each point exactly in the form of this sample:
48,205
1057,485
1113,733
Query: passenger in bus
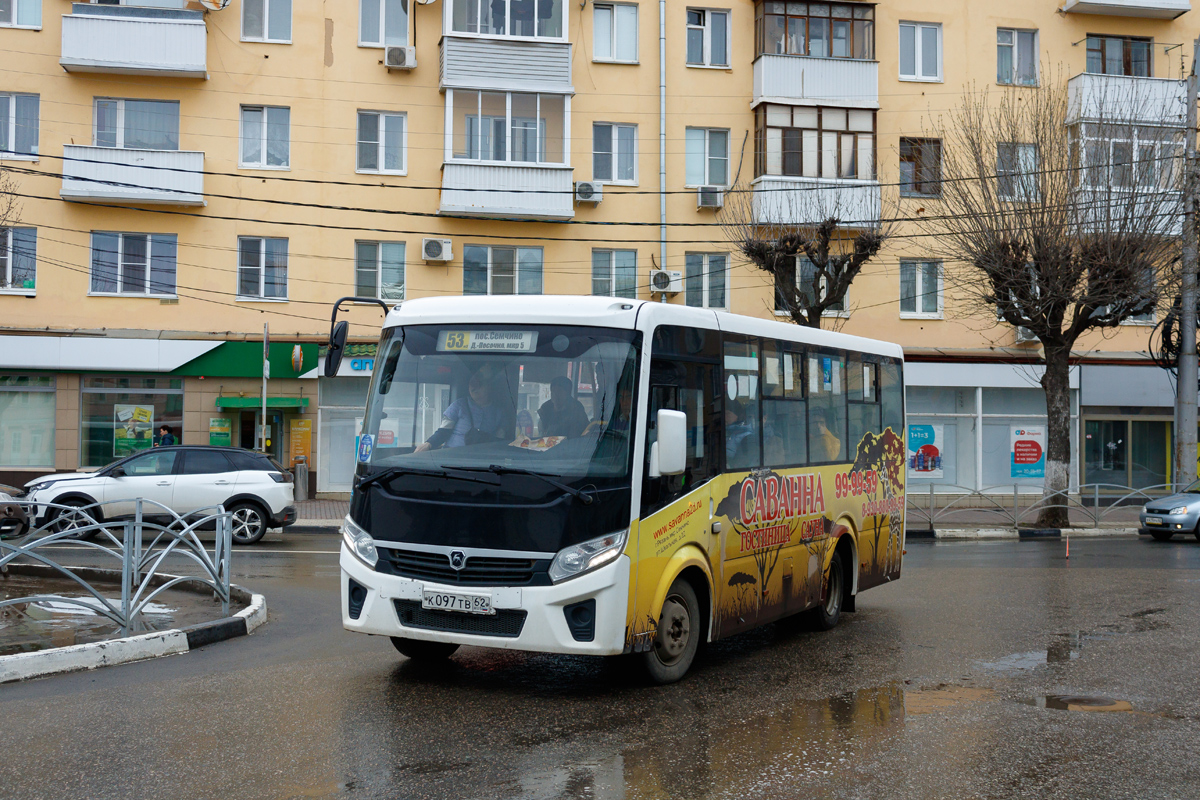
562,414
473,419
826,446
738,431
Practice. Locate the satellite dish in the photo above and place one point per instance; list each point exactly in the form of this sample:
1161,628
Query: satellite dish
214,5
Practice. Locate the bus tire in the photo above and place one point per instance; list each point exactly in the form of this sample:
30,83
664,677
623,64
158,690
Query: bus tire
679,632
423,651
825,616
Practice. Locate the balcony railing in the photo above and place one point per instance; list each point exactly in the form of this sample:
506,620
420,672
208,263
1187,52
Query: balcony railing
1153,9
131,40
1121,99
526,192
804,80
779,200
508,65
115,175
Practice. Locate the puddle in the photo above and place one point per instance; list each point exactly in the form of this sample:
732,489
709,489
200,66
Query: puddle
1063,650
944,697
1068,702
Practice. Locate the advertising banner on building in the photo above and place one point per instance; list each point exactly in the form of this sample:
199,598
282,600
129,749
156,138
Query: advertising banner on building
220,431
925,443
1027,450
133,429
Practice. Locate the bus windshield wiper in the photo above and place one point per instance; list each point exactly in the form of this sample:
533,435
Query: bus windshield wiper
392,472
581,495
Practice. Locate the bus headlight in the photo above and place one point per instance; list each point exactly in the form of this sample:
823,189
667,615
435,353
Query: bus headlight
580,558
359,542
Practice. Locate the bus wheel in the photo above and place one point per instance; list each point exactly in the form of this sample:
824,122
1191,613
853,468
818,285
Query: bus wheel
423,651
825,616
679,632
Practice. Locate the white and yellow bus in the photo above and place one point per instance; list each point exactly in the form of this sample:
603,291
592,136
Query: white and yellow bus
600,476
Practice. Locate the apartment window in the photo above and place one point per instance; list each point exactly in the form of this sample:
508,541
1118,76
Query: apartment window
266,137
706,280
133,263
799,281
1119,55
18,124
820,30
920,51
920,167
810,142
528,18
707,161
707,37
502,270
267,21
21,13
1016,171
262,268
1140,156
382,23
920,288
615,32
614,273
614,153
381,142
1016,57
379,270
137,124
18,260
508,126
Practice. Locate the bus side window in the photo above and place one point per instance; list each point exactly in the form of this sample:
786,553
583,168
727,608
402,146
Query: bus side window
891,393
863,400
826,408
743,419
686,386
784,418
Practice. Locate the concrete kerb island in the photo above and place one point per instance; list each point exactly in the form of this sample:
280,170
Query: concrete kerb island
23,666
1012,533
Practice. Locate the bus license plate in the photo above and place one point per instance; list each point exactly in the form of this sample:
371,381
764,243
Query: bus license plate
467,603
1154,521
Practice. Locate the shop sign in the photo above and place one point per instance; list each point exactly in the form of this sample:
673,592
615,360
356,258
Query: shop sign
1027,451
362,364
220,431
300,443
925,445
133,429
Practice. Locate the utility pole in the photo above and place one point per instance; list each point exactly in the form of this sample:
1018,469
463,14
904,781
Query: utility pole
262,442
1185,399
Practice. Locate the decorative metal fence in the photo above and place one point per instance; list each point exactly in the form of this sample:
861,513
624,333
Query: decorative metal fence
994,504
141,546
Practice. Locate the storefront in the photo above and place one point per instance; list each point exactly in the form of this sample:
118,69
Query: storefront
120,415
27,422
341,402
1128,425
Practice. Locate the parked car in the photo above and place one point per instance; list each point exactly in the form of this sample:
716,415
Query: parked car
184,478
1178,513
13,519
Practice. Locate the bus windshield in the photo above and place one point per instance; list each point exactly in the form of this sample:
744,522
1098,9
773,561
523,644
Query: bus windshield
551,399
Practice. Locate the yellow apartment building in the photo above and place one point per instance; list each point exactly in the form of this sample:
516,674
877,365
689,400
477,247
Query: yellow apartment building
189,171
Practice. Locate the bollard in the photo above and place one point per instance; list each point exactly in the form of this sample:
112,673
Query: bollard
300,479
931,502
1095,512
1016,507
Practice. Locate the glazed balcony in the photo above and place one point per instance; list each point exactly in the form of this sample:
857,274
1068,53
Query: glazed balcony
1122,99
806,80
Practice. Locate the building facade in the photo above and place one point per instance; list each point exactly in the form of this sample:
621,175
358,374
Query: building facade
186,172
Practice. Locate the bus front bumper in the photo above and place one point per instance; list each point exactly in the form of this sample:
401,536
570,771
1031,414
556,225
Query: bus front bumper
544,627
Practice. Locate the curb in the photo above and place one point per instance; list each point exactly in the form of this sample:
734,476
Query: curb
1013,535
315,523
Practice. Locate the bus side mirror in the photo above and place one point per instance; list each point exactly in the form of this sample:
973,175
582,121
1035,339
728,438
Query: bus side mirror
337,347
668,456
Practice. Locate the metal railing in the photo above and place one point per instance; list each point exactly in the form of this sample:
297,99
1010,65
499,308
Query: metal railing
141,546
923,510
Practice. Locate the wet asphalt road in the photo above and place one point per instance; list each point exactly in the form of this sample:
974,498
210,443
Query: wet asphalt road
931,690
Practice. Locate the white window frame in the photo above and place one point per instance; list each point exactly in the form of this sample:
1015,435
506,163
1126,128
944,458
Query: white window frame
843,312
707,157
382,43
263,140
262,272
378,245
516,276
383,116
6,270
1016,56
448,25
614,35
615,126
917,264
918,41
120,125
707,28
1024,172
611,254
265,38
11,124
452,97
121,237
704,284
16,15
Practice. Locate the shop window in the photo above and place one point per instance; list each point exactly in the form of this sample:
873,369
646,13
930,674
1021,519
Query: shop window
27,421
122,415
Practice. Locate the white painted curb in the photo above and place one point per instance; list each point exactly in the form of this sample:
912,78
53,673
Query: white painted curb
1009,533
255,614
92,655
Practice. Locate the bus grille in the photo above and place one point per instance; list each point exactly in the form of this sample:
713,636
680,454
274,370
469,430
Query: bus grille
505,622
478,571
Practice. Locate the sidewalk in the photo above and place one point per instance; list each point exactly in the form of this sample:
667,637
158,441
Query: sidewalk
321,513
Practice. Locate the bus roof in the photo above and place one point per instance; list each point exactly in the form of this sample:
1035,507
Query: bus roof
614,312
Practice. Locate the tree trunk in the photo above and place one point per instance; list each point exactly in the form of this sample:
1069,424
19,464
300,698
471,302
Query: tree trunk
1057,384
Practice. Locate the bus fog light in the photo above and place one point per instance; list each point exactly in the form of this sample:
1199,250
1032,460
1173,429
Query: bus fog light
580,558
360,542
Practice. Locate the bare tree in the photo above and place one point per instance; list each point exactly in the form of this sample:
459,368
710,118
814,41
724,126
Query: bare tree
836,229
9,213
1060,213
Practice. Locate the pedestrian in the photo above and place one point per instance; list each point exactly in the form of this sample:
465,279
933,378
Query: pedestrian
165,437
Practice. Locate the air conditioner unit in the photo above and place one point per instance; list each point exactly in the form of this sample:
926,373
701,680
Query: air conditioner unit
710,197
1025,335
588,192
400,57
667,281
437,249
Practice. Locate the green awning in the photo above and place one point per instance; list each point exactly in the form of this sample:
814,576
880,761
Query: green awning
256,402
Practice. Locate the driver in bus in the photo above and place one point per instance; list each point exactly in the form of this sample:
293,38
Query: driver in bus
473,419
562,414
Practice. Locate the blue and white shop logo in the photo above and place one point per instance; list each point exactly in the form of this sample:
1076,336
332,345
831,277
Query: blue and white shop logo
365,444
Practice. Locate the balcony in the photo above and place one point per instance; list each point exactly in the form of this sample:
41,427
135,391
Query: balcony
145,177
516,191
1151,9
804,80
130,40
515,65
1120,99
780,200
